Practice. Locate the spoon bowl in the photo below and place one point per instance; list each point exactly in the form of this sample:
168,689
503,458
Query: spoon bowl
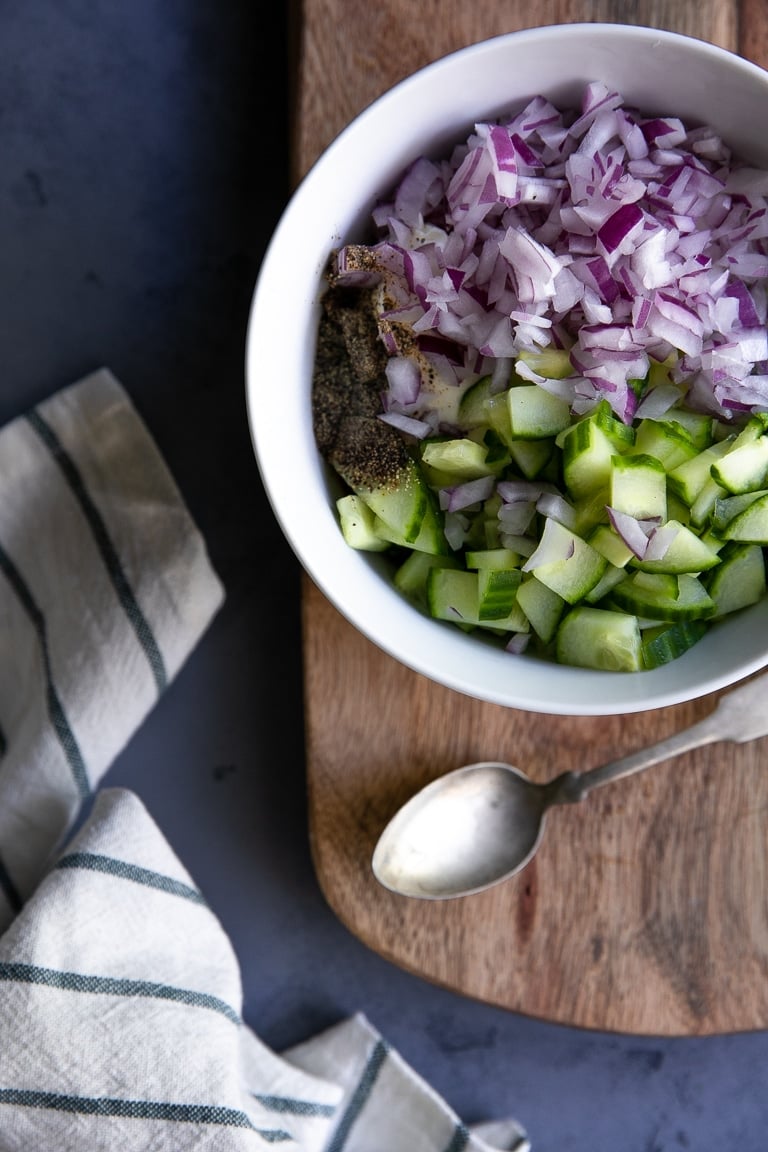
429,848
480,824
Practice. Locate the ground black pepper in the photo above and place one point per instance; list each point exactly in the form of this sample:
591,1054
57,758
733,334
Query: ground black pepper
347,385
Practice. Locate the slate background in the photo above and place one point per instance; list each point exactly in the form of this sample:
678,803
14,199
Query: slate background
143,167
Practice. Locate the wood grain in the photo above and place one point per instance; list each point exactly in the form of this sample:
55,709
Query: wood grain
646,908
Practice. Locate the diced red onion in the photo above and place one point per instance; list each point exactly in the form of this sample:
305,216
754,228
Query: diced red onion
404,379
461,496
558,508
548,222
515,518
408,424
633,532
455,527
517,643
660,539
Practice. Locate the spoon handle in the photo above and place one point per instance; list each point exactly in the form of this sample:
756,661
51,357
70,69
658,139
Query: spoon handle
739,716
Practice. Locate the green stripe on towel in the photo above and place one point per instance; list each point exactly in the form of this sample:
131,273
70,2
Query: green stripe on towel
104,543
360,1096
110,986
294,1107
92,861
137,1110
55,710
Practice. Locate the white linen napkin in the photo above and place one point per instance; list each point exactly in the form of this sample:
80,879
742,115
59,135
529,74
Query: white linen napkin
120,995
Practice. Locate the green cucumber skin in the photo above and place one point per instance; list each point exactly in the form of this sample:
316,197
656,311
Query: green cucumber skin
667,642
598,638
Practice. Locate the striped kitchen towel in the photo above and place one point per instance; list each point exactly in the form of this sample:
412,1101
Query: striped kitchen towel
105,587
120,1011
120,996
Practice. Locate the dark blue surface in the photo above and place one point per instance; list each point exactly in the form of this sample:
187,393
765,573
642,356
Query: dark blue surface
143,167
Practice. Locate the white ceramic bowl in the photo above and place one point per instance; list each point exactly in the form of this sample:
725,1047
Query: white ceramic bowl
659,72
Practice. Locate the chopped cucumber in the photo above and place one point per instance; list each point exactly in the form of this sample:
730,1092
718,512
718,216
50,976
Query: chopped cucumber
552,363
577,569
698,425
401,505
666,642
493,558
638,486
686,553
411,576
665,440
751,524
462,459
612,576
430,536
600,638
740,578
531,456
703,505
608,544
497,592
497,407
587,456
688,478
576,587
542,606
535,413
454,595
358,524
621,435
651,595
744,468
472,410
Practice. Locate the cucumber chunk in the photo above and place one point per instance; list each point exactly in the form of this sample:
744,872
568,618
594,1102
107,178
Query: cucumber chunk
612,576
666,642
401,504
665,440
638,486
587,455
461,459
600,638
411,576
750,525
610,545
496,592
543,607
698,426
454,596
493,558
688,479
472,411
650,595
578,569
553,363
532,456
740,579
358,524
430,536
535,413
744,468
687,553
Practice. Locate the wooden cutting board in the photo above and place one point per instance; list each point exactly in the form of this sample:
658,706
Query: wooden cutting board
646,908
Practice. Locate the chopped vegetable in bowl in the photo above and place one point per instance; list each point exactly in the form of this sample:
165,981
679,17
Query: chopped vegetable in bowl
544,383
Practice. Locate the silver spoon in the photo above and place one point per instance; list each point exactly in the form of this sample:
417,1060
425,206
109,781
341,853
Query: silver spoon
480,824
